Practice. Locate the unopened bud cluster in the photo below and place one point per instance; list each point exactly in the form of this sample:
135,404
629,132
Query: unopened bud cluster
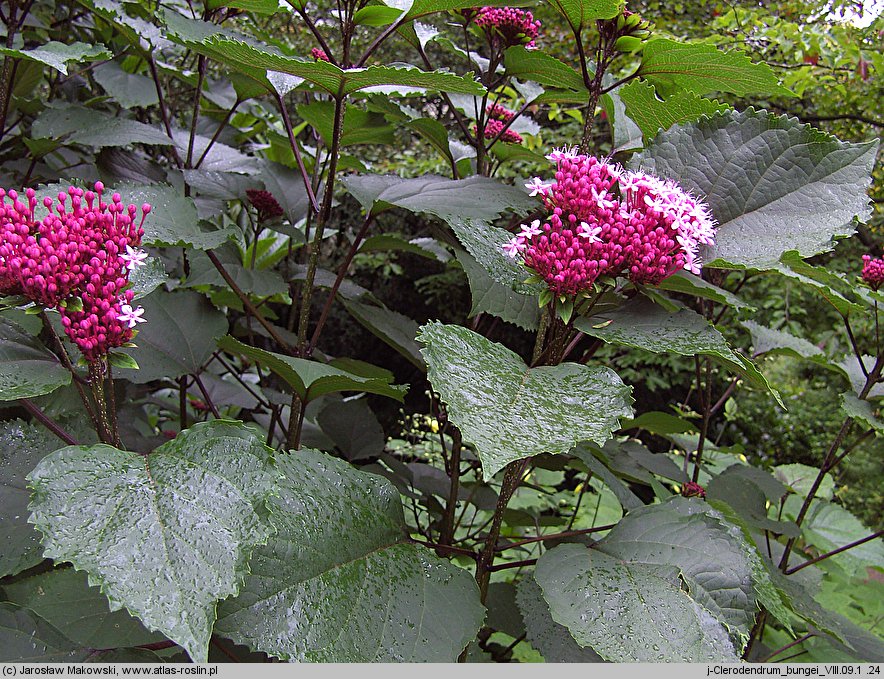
508,26
873,272
605,221
77,260
498,118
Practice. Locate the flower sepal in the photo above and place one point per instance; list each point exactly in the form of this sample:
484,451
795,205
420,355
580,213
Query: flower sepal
565,309
545,297
72,304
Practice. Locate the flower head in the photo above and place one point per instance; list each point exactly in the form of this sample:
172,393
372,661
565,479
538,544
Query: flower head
508,26
76,259
494,127
691,489
499,112
266,205
605,221
319,55
873,272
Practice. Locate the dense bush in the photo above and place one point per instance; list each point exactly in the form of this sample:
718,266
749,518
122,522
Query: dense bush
422,332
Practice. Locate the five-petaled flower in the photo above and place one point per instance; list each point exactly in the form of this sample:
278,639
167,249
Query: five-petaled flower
131,316
134,257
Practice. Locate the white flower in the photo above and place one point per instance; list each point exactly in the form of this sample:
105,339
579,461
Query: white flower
131,316
514,246
563,153
537,186
534,229
134,258
591,232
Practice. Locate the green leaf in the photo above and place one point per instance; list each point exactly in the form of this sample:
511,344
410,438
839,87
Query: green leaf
65,600
353,428
27,368
130,90
653,114
535,410
259,7
173,219
553,640
255,60
178,338
772,183
360,127
497,299
26,637
258,282
485,244
311,379
800,478
704,68
90,127
627,499
476,197
690,284
397,330
711,556
147,278
860,410
658,422
626,135
58,55
769,341
644,325
828,526
833,287
165,535
372,597
542,68
22,445
628,612
581,13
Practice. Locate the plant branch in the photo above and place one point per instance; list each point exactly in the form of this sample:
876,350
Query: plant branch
297,151
821,557
556,536
47,421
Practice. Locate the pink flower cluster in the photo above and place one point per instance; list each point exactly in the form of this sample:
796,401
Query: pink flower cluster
319,55
499,112
607,221
873,272
508,26
493,127
77,260
692,489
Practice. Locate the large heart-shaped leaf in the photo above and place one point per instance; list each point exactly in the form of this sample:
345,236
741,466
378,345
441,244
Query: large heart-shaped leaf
167,534
26,637
772,183
312,379
628,612
89,127
339,582
58,55
27,368
510,411
718,565
497,299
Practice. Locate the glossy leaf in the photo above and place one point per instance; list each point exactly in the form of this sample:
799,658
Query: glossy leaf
497,299
27,368
81,613
395,329
690,284
476,197
772,183
58,55
582,13
702,69
26,637
535,410
165,535
628,612
311,379
553,640
719,567
91,127
178,338
372,597
644,325
861,410
130,90
542,68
